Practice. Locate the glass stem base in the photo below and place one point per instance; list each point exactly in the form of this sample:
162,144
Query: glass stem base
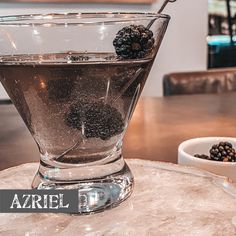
95,194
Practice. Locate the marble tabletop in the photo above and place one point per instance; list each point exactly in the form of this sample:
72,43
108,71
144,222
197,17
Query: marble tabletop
167,200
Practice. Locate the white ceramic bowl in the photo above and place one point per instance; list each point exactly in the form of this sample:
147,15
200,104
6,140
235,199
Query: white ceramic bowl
189,148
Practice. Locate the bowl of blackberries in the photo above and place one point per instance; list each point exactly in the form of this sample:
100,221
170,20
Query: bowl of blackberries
213,154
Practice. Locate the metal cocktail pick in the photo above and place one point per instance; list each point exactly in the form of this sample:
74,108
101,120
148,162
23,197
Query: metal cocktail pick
160,11
164,5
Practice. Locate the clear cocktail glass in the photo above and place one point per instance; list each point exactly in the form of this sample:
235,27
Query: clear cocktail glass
75,80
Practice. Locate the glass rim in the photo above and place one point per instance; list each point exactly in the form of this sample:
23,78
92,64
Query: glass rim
112,17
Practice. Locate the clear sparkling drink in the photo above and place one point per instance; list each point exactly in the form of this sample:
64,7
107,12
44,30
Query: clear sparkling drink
77,107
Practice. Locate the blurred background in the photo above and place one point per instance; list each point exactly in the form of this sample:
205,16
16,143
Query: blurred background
200,35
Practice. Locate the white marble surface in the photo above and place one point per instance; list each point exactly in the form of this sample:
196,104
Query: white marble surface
167,200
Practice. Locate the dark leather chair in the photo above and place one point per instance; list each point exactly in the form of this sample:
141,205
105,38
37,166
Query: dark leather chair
210,81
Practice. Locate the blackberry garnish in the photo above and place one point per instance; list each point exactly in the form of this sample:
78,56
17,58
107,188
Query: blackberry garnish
59,89
95,119
134,41
223,151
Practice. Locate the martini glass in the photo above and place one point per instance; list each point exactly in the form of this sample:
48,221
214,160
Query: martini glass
75,83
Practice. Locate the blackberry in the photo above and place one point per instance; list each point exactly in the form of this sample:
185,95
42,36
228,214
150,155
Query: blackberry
74,58
223,151
95,119
202,156
134,41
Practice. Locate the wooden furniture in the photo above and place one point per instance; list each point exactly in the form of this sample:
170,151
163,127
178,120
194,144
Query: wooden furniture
158,126
209,81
